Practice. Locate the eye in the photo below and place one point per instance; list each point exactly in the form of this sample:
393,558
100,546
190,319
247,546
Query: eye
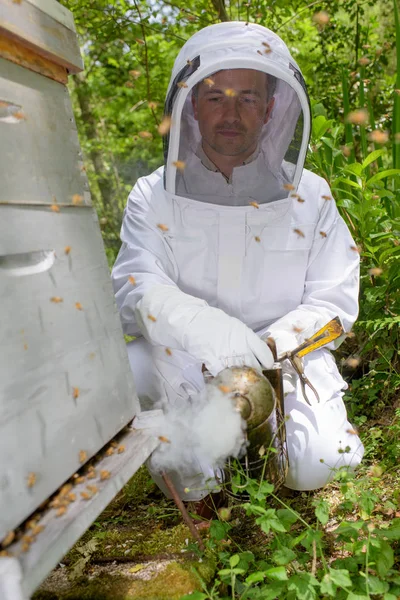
248,99
214,98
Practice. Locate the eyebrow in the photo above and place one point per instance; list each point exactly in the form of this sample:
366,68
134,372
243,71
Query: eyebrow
219,91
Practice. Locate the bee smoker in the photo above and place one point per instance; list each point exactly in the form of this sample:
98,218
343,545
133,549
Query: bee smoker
259,399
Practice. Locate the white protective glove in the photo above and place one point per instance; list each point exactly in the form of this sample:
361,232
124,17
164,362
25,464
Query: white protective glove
171,318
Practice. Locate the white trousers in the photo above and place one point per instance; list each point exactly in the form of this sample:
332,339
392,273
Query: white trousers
320,439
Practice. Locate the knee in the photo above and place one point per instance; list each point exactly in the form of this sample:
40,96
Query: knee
319,464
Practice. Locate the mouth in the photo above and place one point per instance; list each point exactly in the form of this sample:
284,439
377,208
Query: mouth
229,133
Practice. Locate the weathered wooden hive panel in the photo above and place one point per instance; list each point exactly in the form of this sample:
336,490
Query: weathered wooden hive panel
65,383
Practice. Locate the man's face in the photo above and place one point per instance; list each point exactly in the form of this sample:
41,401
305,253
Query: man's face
231,108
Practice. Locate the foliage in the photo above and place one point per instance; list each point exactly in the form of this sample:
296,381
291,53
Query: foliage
294,563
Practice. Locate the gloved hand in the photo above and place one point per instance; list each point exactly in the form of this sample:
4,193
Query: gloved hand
285,341
171,318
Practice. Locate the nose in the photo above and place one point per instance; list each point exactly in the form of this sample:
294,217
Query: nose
231,110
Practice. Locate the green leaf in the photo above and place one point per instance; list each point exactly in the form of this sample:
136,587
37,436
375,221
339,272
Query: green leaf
234,560
327,586
276,574
219,529
304,586
372,156
340,577
349,182
322,511
382,175
352,596
376,585
384,559
287,517
283,556
255,577
320,126
354,169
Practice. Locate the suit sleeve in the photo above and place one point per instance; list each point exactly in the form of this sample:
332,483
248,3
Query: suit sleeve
144,260
331,286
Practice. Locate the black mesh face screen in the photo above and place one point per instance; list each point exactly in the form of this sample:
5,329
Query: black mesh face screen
182,76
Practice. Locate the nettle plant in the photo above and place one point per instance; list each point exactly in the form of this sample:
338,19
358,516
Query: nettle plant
296,559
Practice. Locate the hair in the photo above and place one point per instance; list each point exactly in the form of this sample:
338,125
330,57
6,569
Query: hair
271,87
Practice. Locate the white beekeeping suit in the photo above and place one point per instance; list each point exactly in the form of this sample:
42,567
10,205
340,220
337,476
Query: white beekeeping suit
220,262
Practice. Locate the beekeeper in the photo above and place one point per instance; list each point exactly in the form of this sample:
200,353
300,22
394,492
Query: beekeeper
234,241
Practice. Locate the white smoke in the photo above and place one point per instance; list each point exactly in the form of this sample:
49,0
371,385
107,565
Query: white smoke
205,428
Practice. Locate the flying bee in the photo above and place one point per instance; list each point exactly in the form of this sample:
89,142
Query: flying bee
364,61
55,208
25,346
355,249
79,479
67,249
75,393
135,74
255,204
299,232
145,135
375,271
31,480
61,511
162,227
168,351
132,280
91,474
358,117
352,362
164,439
379,137
139,41
164,126
78,306
109,451
71,497
208,81
224,388
230,93
104,475
181,84
121,449
86,495
322,234
56,299
82,456
297,329
93,488
151,318
257,238
289,187
326,197
152,105
180,165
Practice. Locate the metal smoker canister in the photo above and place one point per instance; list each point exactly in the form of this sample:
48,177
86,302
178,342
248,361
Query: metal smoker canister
253,395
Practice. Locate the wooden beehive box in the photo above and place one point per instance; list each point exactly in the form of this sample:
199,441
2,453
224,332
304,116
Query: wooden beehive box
65,383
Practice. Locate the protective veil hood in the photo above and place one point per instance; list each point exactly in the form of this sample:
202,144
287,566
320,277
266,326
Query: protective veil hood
237,45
